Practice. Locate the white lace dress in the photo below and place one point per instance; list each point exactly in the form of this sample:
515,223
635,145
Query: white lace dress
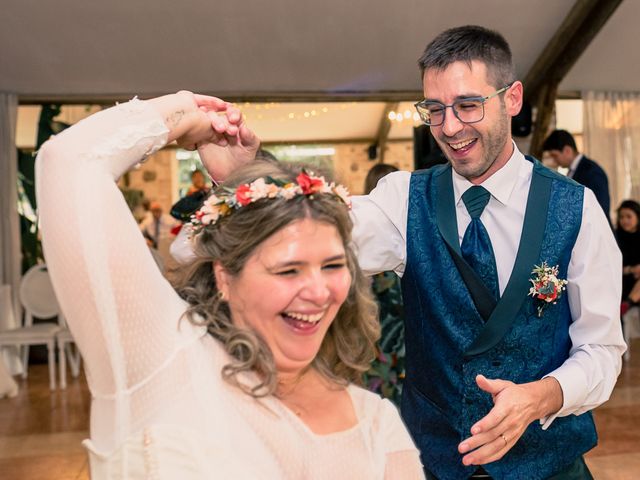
160,409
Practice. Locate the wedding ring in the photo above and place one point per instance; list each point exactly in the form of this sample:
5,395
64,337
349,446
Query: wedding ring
505,439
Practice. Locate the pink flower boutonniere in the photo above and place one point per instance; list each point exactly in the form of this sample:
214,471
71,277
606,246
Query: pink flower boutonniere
547,287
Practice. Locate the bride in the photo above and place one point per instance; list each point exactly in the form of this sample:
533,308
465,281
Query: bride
248,370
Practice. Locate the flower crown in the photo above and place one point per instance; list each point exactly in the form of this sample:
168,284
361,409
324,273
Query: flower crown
228,200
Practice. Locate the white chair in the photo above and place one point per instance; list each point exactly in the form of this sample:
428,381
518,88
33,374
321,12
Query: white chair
64,341
38,299
630,328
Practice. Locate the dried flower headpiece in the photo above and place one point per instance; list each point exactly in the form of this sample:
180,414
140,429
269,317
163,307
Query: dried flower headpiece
225,202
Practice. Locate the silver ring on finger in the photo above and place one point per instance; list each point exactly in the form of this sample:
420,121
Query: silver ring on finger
505,439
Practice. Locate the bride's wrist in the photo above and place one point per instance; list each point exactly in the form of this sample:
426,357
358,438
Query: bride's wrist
178,112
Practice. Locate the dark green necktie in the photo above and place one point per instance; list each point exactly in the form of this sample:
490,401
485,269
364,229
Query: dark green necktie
476,245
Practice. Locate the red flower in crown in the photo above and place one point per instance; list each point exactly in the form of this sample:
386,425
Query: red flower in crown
242,195
309,184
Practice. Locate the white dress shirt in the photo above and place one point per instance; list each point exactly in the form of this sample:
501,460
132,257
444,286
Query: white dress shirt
594,275
574,165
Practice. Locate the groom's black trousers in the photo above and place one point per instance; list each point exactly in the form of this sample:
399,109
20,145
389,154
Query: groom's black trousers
577,471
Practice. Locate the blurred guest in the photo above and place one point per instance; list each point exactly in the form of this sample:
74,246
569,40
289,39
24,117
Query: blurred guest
387,371
198,183
628,236
562,147
157,226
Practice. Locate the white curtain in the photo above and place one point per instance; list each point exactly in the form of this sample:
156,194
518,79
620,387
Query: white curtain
612,138
10,257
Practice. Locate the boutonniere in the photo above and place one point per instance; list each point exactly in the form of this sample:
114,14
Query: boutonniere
547,287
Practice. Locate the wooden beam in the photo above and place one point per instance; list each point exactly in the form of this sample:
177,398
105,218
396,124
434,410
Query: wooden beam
544,113
581,25
383,129
310,96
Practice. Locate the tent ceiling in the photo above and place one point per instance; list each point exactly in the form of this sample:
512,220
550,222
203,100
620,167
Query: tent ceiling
75,48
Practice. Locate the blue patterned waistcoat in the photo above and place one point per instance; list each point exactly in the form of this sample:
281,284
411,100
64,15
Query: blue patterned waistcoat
441,400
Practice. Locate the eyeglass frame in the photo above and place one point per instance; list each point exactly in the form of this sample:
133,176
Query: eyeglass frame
482,100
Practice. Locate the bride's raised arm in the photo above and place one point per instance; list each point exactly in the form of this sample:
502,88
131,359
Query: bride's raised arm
122,312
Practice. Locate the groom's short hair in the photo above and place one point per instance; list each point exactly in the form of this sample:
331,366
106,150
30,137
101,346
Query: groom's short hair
468,43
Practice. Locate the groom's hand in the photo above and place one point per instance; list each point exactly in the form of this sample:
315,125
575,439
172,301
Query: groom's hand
515,407
234,144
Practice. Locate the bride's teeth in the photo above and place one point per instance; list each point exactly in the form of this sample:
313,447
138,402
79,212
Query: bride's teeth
457,146
304,317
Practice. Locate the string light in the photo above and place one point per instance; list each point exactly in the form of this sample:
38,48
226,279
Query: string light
254,111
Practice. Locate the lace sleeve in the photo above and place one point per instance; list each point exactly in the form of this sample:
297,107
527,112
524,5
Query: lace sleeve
122,313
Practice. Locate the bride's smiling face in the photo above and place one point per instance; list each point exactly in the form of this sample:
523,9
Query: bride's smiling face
290,290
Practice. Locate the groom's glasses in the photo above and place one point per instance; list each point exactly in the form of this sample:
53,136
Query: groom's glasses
467,110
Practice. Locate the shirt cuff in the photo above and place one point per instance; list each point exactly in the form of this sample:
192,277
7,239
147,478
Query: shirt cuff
572,381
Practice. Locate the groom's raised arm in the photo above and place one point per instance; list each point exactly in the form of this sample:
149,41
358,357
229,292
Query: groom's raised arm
380,225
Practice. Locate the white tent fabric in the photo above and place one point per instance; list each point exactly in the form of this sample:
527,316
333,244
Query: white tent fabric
9,226
612,138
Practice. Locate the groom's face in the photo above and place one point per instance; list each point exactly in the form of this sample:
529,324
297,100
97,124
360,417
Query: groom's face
475,150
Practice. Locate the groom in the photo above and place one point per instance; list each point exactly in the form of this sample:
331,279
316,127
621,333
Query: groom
485,360
499,383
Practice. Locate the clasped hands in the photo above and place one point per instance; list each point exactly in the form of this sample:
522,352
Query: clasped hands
515,407
213,127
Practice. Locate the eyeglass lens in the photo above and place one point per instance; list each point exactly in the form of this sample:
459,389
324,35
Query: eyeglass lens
467,111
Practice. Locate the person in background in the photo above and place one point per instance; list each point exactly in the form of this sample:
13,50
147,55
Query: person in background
157,226
198,183
562,148
387,371
628,237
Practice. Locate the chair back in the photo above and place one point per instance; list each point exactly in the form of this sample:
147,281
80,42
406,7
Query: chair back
36,293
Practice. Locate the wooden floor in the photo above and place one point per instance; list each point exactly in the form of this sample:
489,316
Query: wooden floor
41,431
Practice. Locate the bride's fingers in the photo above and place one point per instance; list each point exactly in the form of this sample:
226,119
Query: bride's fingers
211,103
234,115
222,126
219,123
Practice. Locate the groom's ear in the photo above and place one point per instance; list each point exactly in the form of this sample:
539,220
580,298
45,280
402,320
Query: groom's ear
513,98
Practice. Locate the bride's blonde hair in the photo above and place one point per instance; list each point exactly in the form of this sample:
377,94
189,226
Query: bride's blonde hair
349,345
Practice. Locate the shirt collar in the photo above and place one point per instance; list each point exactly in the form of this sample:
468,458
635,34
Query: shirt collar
575,163
500,185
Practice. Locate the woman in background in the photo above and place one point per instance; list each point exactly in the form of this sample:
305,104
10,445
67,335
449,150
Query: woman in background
628,237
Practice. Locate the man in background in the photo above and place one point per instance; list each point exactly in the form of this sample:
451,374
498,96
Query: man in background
562,148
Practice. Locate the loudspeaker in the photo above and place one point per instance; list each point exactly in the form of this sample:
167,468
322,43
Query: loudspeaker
426,152
521,123
372,151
